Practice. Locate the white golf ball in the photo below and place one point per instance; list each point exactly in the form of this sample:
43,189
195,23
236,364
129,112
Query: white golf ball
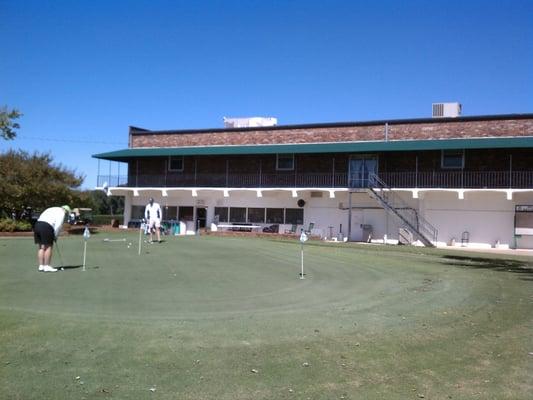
62,269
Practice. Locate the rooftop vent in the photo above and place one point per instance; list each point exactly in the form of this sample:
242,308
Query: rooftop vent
249,122
446,110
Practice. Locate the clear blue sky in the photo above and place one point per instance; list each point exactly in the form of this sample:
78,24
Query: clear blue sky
83,71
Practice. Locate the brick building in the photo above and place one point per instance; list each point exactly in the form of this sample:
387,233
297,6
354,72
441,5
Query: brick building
463,180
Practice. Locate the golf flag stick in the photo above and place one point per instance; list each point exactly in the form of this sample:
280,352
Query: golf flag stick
86,236
303,239
140,237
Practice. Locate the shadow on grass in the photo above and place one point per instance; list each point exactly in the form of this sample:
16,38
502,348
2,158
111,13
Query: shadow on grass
65,267
78,230
525,269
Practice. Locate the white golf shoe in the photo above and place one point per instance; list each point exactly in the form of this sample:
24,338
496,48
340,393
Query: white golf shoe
41,268
47,268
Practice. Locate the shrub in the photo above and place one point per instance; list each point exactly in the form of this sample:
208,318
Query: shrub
106,219
8,225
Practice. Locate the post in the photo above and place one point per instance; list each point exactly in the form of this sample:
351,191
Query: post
333,173
510,171
349,216
98,176
227,172
137,172
416,171
260,172
195,171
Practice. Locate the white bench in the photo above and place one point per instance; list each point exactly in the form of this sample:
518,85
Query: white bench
228,226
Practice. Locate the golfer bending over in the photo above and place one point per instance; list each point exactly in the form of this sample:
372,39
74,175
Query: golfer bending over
46,231
152,214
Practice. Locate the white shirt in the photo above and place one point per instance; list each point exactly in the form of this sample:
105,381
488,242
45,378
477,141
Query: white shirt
55,217
152,212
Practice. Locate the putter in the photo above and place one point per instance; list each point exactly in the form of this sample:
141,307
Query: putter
60,255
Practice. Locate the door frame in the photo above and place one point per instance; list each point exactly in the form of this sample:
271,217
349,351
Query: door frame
362,156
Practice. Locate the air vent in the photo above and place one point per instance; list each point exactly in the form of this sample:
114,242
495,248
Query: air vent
446,110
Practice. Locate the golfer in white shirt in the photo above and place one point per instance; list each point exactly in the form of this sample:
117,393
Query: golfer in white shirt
152,214
46,232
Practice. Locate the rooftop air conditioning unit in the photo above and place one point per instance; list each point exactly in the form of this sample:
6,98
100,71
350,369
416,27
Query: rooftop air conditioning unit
249,122
446,110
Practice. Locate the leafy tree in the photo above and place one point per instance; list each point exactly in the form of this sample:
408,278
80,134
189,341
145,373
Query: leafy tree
104,204
7,124
33,180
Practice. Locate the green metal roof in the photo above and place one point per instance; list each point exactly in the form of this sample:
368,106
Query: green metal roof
343,147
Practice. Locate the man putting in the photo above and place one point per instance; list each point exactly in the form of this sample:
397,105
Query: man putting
152,214
46,232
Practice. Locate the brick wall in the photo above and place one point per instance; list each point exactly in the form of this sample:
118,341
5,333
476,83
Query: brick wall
321,134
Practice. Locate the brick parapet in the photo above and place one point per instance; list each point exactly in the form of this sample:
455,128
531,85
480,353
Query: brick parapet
329,134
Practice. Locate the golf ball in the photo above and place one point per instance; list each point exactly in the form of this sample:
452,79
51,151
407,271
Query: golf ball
62,269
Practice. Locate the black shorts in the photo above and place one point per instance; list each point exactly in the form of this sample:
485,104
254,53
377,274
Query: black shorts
43,233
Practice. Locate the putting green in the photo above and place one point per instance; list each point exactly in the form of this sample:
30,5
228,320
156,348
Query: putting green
379,321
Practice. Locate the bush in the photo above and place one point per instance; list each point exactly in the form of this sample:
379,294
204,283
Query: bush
106,219
8,225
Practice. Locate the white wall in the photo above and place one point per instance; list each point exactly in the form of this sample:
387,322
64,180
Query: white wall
487,216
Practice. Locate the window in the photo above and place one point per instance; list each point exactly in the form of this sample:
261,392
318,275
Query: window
170,212
285,162
452,159
186,213
256,215
294,216
221,214
274,216
175,163
237,214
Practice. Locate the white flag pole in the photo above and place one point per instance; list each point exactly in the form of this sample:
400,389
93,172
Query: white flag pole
302,273
140,237
84,253
86,236
303,239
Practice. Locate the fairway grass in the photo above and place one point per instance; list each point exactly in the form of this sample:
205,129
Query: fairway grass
228,318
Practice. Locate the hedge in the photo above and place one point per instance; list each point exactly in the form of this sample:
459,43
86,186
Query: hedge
8,225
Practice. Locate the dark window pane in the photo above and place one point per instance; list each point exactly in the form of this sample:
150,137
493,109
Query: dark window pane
274,215
175,163
221,214
186,213
452,159
256,215
237,214
294,216
285,161
170,212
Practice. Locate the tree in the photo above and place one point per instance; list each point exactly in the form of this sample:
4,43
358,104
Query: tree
7,124
104,204
35,181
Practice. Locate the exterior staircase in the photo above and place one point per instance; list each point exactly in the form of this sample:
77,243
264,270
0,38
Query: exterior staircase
407,216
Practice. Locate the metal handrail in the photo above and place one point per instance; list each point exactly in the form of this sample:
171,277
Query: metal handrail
407,213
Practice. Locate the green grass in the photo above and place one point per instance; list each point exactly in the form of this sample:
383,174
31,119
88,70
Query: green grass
192,317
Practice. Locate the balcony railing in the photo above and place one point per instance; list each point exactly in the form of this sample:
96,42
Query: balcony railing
447,179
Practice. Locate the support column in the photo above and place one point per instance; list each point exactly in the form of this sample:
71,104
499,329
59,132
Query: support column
349,216
127,208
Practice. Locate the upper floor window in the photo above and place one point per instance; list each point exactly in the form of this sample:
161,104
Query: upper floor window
175,163
452,159
285,162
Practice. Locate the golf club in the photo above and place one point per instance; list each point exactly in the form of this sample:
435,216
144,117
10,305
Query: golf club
60,255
